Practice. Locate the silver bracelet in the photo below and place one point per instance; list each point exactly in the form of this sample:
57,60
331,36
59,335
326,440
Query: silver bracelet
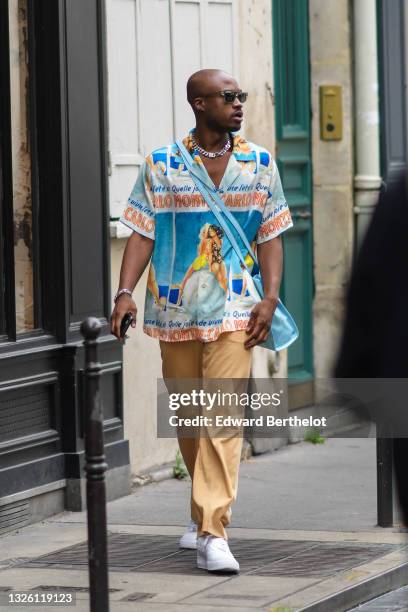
118,293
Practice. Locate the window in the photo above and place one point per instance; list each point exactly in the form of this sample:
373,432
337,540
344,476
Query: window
17,304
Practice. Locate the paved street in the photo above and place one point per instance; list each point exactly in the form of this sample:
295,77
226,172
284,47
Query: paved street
303,529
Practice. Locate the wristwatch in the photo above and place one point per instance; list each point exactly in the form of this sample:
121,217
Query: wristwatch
120,291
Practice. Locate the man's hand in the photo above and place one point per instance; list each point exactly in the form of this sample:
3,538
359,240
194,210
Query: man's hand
123,304
260,322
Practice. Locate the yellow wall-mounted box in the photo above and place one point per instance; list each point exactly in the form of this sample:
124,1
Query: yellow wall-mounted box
331,112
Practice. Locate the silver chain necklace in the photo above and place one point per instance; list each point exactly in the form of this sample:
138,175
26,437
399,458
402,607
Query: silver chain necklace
224,149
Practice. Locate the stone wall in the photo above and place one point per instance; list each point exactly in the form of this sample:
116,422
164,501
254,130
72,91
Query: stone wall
330,58
256,77
256,70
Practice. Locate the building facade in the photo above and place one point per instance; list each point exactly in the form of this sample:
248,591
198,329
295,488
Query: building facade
282,52
88,89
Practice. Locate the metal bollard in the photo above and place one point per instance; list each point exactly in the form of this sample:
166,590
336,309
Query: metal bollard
95,468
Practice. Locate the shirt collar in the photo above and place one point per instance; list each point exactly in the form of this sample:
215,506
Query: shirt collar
240,148
241,152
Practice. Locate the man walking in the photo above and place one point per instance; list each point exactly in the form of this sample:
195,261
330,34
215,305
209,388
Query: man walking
199,302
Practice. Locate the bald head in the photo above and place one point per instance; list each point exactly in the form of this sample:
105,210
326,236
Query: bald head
207,81
211,110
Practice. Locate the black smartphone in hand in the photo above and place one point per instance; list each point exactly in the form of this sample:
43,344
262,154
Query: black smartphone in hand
126,321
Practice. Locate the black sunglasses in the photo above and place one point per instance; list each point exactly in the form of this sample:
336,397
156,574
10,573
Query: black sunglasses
229,96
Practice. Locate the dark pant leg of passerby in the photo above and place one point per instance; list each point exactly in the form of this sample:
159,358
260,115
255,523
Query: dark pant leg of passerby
400,446
376,330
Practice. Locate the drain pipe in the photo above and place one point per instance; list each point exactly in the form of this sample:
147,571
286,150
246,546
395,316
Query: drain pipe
367,180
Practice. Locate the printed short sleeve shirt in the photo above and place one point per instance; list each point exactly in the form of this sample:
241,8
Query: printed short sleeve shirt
196,288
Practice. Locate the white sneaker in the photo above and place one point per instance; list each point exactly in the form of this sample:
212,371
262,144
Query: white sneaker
189,538
214,555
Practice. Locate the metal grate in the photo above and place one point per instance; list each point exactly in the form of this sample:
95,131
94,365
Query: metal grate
14,515
325,559
24,413
149,553
251,554
125,552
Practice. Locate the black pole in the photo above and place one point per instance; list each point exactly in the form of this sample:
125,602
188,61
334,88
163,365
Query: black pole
95,468
384,482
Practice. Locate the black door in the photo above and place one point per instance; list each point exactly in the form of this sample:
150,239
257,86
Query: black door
54,256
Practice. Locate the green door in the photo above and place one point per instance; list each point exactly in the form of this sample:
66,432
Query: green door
293,137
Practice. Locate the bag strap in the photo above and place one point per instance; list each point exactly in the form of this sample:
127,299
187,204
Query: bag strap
217,205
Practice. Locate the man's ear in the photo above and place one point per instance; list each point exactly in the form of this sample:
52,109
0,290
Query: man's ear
198,104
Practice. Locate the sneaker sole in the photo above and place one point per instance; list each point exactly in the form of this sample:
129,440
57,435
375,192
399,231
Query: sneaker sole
214,567
220,567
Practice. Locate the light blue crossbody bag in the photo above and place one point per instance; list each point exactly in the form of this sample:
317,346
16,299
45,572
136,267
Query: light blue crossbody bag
284,330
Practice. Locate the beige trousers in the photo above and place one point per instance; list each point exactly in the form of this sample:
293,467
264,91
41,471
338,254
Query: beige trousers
212,462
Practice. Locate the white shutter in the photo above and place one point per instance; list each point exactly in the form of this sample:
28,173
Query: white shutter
186,45
153,47
123,100
155,82
220,34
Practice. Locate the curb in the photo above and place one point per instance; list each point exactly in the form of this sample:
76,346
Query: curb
362,592
162,473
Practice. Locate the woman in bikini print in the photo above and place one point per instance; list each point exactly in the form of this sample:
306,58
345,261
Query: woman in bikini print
209,254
